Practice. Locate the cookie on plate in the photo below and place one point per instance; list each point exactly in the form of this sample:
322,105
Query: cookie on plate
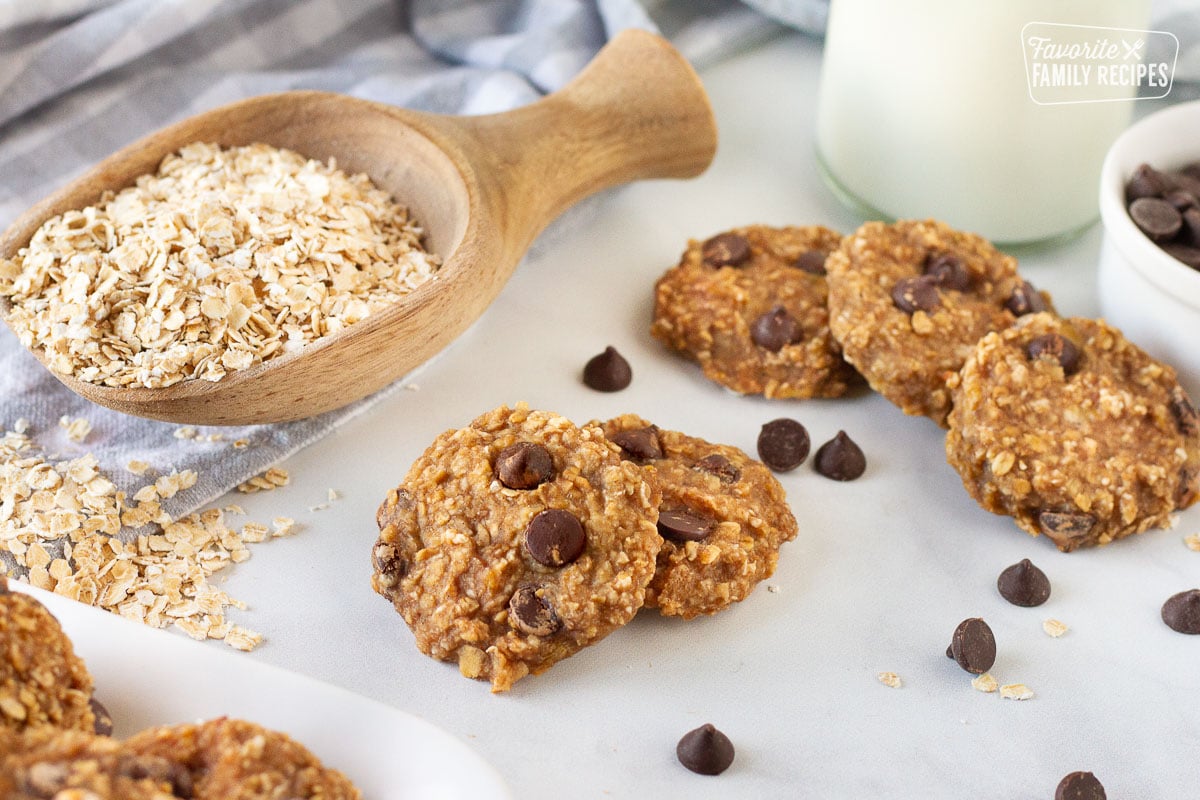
723,518
42,681
1073,431
223,759
516,541
749,306
908,302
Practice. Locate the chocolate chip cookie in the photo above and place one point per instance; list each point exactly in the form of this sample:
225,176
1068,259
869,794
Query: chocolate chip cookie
1073,431
908,302
723,518
42,681
749,306
516,541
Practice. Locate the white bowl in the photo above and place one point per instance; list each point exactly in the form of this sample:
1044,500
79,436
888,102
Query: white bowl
1153,298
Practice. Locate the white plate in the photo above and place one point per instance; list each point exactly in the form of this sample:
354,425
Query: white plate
147,677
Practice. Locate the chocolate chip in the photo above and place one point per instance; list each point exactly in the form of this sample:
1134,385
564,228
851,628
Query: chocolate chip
1181,199
775,330
812,262
1156,218
607,372
1146,181
388,563
103,725
1025,300
555,538
1181,612
717,464
1187,419
390,510
840,459
783,444
524,465
1188,489
1067,529
1057,347
638,444
1023,584
1191,225
948,271
973,646
684,526
917,293
705,751
725,250
1188,255
1080,786
158,770
532,614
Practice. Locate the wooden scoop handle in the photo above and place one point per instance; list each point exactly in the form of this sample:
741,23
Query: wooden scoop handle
638,110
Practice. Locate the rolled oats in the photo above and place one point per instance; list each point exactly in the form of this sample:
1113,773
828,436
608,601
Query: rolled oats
890,679
1054,628
222,259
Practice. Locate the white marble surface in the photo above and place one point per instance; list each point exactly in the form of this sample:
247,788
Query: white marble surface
881,572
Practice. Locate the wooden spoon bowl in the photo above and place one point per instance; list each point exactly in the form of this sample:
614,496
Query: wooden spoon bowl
482,187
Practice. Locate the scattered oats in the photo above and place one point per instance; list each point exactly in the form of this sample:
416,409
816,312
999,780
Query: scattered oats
1016,691
772,588
242,638
234,509
21,425
985,683
215,437
1192,541
889,679
241,444
222,259
137,467
186,432
411,387
254,532
333,495
1054,628
284,526
271,479
77,429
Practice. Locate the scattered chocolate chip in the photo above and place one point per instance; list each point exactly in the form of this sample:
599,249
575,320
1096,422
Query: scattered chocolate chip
725,250
917,293
555,538
719,465
684,526
607,372
775,330
812,262
1146,181
783,444
1065,528
973,646
1187,419
1156,218
103,725
524,465
1188,255
1025,300
531,613
1023,584
948,271
1080,786
840,459
1181,612
159,770
705,751
1057,347
638,444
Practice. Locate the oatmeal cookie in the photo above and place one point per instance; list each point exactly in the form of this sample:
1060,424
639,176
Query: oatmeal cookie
42,681
1073,431
723,517
516,541
222,759
908,302
750,306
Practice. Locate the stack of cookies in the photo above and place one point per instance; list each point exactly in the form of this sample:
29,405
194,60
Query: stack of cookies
54,740
1060,423
516,541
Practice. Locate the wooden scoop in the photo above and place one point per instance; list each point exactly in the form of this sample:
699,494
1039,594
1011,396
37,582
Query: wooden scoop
482,187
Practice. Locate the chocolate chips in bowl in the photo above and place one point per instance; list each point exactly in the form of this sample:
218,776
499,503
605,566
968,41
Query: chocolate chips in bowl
1165,205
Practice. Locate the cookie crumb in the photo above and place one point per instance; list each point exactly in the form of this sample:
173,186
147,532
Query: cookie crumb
1054,628
985,683
1192,541
1016,691
890,679
772,588
77,428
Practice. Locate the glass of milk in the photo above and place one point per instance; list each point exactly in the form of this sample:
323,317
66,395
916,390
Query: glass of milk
927,110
